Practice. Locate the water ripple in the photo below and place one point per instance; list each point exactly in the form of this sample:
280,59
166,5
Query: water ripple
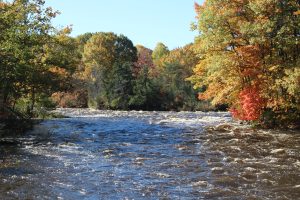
149,155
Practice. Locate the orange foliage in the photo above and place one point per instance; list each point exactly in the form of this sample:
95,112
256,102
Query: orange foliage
199,8
2,5
211,91
77,99
297,12
59,71
250,60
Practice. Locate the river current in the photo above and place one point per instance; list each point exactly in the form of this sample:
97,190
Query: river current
149,155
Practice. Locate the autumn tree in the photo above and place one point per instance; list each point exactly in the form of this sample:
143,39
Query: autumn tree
145,94
25,29
249,56
68,89
144,59
36,59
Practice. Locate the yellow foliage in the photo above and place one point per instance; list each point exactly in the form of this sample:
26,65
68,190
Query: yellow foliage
297,12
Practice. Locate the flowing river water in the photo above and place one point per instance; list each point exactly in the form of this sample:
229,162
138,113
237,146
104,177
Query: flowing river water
149,155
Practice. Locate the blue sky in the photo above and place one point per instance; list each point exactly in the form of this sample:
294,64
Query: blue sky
145,22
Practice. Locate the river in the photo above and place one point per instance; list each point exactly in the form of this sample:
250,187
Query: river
149,155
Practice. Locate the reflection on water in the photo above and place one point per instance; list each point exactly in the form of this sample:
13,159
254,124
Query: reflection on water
149,155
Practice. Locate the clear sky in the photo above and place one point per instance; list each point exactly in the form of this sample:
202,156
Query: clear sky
145,22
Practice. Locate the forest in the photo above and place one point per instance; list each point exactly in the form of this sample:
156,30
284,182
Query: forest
245,59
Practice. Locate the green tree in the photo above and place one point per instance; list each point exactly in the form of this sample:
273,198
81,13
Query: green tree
35,58
144,91
176,67
159,51
25,29
109,63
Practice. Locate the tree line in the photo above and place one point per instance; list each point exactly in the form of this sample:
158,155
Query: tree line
245,59
44,67
115,74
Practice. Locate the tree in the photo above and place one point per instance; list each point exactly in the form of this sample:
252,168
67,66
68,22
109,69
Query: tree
249,49
67,89
25,29
144,56
82,40
144,93
35,58
109,63
159,51
176,67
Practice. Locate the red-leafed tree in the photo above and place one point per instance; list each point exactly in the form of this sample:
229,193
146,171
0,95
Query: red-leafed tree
144,59
250,59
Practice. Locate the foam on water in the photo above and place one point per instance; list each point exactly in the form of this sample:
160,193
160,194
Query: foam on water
149,155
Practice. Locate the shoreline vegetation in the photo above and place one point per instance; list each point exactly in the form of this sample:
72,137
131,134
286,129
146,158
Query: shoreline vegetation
12,122
245,60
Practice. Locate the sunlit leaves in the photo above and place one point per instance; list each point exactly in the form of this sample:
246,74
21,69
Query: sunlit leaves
109,60
159,51
244,44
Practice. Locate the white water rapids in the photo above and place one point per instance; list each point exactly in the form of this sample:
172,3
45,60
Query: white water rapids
97,154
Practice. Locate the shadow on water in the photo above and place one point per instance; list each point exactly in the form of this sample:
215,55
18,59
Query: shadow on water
150,155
